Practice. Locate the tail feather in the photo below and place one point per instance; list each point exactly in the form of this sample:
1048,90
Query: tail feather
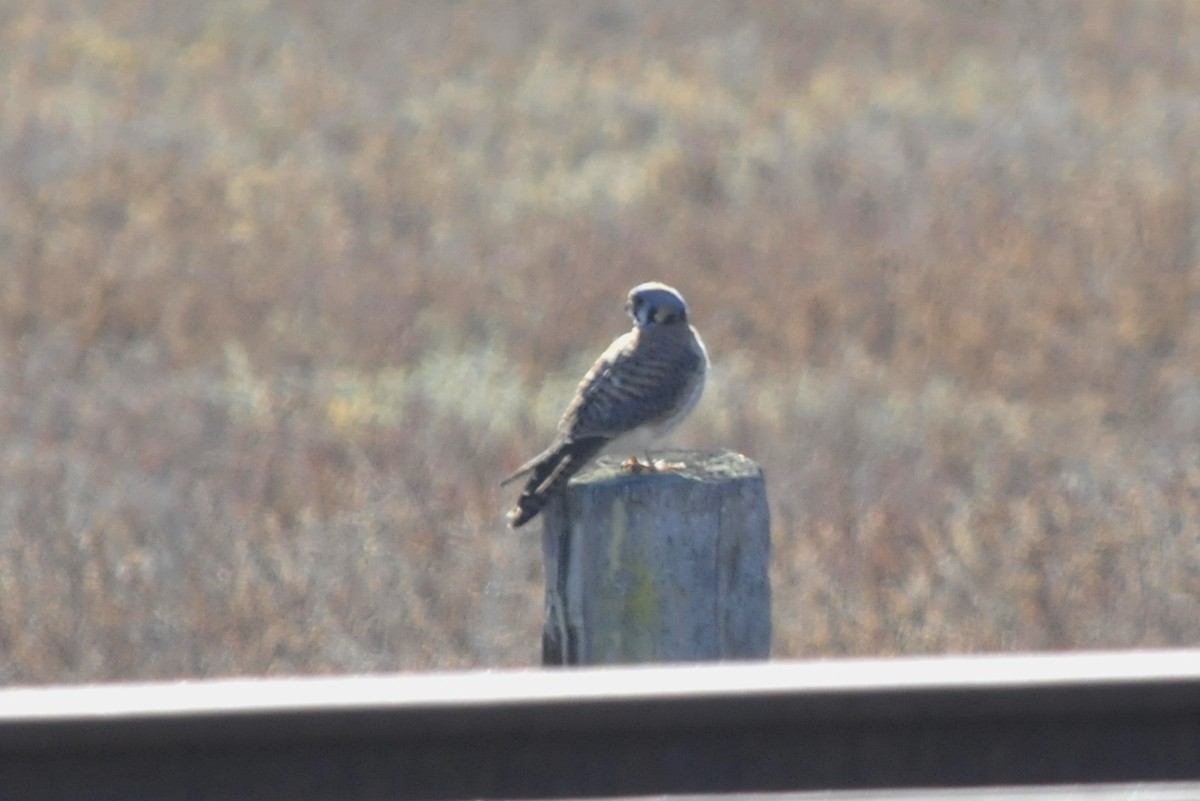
549,472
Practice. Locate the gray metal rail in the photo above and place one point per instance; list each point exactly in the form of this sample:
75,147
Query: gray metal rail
1129,717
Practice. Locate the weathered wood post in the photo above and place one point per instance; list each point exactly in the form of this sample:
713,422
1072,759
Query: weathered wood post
659,566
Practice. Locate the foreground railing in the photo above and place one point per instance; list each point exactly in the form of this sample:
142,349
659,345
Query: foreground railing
1131,717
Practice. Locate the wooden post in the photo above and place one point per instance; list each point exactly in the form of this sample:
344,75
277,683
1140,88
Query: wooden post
659,566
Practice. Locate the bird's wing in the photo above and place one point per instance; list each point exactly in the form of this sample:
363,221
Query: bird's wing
635,381
522,470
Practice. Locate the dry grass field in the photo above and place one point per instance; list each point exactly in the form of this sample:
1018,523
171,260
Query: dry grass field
286,286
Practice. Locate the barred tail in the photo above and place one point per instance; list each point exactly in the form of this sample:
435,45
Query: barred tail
549,473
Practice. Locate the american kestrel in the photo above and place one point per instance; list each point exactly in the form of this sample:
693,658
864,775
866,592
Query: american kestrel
640,388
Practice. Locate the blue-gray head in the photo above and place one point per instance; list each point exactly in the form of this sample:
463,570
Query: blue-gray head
654,303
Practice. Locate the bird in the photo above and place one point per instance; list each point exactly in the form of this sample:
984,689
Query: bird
642,386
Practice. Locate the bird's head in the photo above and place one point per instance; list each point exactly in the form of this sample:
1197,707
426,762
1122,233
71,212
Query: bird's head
656,304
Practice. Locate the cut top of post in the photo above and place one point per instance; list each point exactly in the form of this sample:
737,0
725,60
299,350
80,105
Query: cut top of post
712,465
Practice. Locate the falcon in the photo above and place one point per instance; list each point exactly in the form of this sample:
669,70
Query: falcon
640,388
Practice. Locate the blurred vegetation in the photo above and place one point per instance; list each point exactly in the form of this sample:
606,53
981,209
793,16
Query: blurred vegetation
286,287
